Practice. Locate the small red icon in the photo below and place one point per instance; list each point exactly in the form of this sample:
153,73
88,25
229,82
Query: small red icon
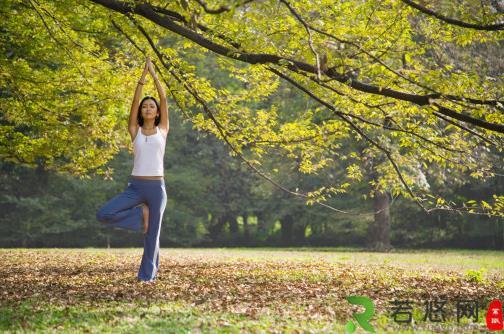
494,316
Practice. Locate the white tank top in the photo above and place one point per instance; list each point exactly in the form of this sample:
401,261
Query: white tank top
148,154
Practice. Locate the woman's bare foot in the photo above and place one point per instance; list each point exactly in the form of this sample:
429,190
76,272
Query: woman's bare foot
145,209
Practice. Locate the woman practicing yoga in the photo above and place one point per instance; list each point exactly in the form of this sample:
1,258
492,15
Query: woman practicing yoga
148,127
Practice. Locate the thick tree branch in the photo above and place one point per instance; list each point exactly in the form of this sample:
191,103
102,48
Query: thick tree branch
468,119
427,11
148,12
465,129
178,17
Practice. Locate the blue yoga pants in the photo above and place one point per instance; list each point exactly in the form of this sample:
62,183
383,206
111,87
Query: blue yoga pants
123,211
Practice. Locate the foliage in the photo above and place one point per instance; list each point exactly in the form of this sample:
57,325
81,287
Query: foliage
391,78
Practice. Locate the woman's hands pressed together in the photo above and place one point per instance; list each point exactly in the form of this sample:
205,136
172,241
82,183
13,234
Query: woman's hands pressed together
143,78
151,68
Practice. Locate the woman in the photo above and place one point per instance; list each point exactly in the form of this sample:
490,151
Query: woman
148,128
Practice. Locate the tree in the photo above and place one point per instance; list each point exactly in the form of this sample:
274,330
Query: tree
64,88
373,68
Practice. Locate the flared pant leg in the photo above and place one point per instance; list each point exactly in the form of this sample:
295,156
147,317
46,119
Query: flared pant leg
156,200
121,211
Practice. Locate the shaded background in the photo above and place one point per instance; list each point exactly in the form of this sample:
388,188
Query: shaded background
213,200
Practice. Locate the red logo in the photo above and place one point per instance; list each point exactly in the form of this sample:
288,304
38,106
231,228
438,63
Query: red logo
494,316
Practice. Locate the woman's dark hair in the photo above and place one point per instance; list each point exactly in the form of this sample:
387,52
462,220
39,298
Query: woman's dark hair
139,116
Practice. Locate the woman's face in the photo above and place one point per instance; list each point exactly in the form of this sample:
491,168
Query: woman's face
149,109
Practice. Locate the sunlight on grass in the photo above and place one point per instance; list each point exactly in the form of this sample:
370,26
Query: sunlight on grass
422,260
236,290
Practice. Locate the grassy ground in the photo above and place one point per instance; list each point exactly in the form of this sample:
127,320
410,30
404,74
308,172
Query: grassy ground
239,290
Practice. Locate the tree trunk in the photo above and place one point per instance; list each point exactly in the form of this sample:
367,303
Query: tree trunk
233,224
287,223
215,228
299,232
246,229
261,222
379,231
378,234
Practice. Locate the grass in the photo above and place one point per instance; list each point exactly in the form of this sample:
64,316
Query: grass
444,260
238,290
164,317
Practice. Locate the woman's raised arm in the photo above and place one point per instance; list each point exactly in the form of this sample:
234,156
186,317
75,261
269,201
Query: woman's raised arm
164,123
132,124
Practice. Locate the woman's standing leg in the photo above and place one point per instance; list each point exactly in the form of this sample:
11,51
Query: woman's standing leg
156,201
121,211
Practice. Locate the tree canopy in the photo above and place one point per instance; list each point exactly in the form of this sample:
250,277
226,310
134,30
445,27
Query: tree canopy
411,92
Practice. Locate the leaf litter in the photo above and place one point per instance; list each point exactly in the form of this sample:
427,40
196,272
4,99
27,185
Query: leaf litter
286,288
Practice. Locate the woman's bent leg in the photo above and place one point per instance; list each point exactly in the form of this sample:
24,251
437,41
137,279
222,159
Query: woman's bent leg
121,211
150,258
